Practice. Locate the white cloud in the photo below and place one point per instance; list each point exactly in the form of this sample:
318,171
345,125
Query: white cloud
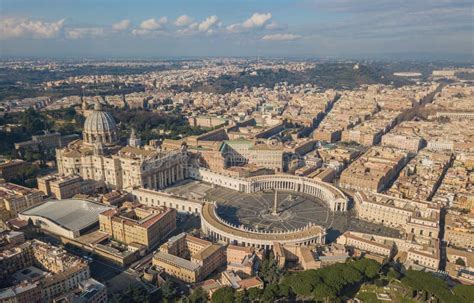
281,37
140,32
122,25
207,24
183,20
190,29
150,25
85,32
257,20
274,26
193,26
234,28
24,28
163,20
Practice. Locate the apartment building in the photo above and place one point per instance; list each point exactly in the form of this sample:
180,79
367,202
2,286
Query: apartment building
189,258
413,217
142,225
15,198
374,170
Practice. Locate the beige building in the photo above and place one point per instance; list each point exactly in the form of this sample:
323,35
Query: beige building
367,244
428,256
460,265
459,230
240,259
413,144
420,178
231,279
189,258
413,217
241,151
374,170
15,198
411,251
158,198
55,272
99,157
143,225
10,169
64,187
237,254
177,267
206,121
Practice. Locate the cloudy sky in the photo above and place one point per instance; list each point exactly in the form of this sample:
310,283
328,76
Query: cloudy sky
154,28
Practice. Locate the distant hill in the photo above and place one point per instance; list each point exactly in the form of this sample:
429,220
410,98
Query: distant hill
326,75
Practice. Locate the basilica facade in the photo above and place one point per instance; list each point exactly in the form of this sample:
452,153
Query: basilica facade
100,156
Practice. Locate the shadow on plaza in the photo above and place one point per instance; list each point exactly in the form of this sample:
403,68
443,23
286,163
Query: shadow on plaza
228,213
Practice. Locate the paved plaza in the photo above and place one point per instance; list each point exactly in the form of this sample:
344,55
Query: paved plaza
294,210
255,210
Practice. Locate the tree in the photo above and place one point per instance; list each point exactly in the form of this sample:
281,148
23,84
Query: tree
324,292
241,297
368,267
299,285
270,272
381,282
223,295
393,274
254,294
34,122
283,290
133,294
465,293
372,271
270,293
198,296
168,290
428,284
460,261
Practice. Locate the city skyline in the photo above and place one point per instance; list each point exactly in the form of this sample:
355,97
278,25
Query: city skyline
320,28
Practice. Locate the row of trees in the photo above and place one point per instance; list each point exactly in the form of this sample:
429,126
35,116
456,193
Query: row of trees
32,122
341,281
67,121
330,284
148,122
425,286
138,294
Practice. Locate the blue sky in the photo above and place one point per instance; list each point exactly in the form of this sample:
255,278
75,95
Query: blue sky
319,28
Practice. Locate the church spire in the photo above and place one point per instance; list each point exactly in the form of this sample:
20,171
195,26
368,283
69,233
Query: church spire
134,141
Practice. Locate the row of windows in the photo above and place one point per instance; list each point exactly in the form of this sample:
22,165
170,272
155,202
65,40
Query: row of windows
176,205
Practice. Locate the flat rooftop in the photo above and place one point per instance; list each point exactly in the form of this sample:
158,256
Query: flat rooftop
176,261
73,214
30,274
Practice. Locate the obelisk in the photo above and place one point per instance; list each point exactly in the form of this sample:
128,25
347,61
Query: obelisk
275,202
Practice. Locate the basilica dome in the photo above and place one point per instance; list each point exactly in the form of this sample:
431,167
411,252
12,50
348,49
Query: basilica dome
100,127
